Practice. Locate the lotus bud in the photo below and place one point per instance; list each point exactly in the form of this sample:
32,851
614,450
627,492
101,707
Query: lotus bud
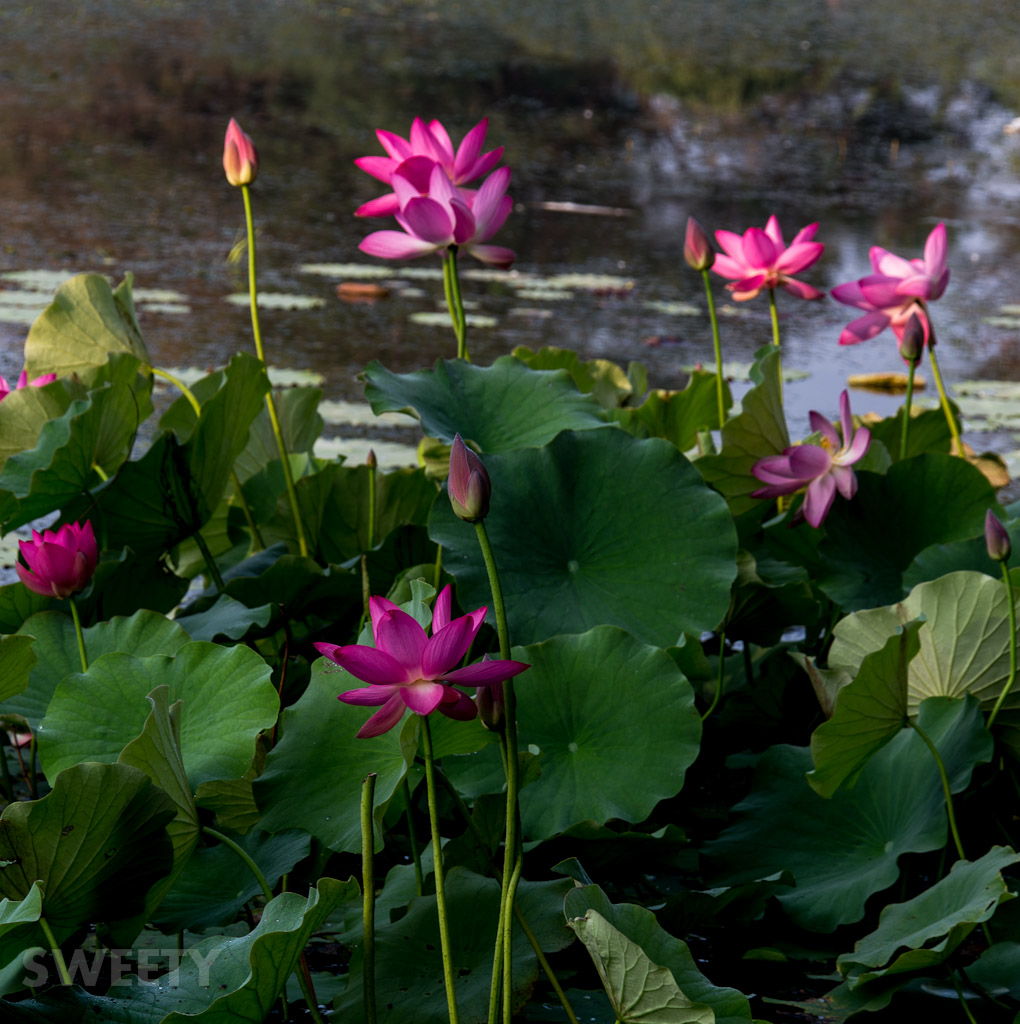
697,249
491,708
240,158
468,483
996,539
912,343
371,461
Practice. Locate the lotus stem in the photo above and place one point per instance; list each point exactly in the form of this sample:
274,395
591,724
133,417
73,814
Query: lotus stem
288,476
412,835
437,855
945,786
719,681
1012,646
210,562
368,896
454,302
954,428
80,636
716,346
245,856
774,314
58,957
906,409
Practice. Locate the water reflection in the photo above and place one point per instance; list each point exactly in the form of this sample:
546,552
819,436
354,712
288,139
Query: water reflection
878,123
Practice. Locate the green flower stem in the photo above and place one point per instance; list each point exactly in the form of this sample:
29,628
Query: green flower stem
243,854
945,786
58,957
719,682
242,501
210,562
718,350
906,409
79,635
1012,646
961,997
368,895
944,401
774,313
508,946
454,302
304,977
437,855
412,835
512,854
100,472
748,664
438,567
270,404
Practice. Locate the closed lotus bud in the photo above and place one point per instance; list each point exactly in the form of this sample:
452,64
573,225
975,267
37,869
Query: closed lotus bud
468,483
996,539
59,563
491,709
240,158
912,343
697,249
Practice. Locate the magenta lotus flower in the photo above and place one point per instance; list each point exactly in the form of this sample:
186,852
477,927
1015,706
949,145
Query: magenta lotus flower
240,158
761,259
59,563
997,541
408,669
468,483
431,141
440,215
24,382
820,468
896,290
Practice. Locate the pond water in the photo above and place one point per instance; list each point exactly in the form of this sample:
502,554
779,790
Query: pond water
618,125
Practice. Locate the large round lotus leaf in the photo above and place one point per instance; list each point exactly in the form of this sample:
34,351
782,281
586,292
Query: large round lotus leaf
499,407
843,850
597,528
227,696
614,726
871,540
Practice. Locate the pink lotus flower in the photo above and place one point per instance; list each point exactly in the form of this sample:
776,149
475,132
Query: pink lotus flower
408,669
697,249
240,158
822,469
431,141
896,290
761,259
23,382
442,216
468,483
59,563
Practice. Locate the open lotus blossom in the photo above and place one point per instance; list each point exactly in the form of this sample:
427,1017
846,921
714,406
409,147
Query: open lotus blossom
24,382
820,468
240,158
761,259
59,563
409,669
431,141
896,290
444,216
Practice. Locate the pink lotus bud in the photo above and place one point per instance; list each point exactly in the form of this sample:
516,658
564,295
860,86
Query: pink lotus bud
491,709
912,342
468,484
697,249
996,539
240,158
59,563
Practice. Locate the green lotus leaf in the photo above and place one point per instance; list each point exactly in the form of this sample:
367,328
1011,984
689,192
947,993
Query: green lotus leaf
869,712
871,541
408,955
597,528
942,559
614,726
602,378
24,413
964,639
848,846
929,432
677,416
19,926
143,634
228,700
95,843
499,407
621,934
17,659
86,321
300,424
758,430
227,618
313,775
934,923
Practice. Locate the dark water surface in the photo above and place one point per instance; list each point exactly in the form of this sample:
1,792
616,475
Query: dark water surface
878,125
